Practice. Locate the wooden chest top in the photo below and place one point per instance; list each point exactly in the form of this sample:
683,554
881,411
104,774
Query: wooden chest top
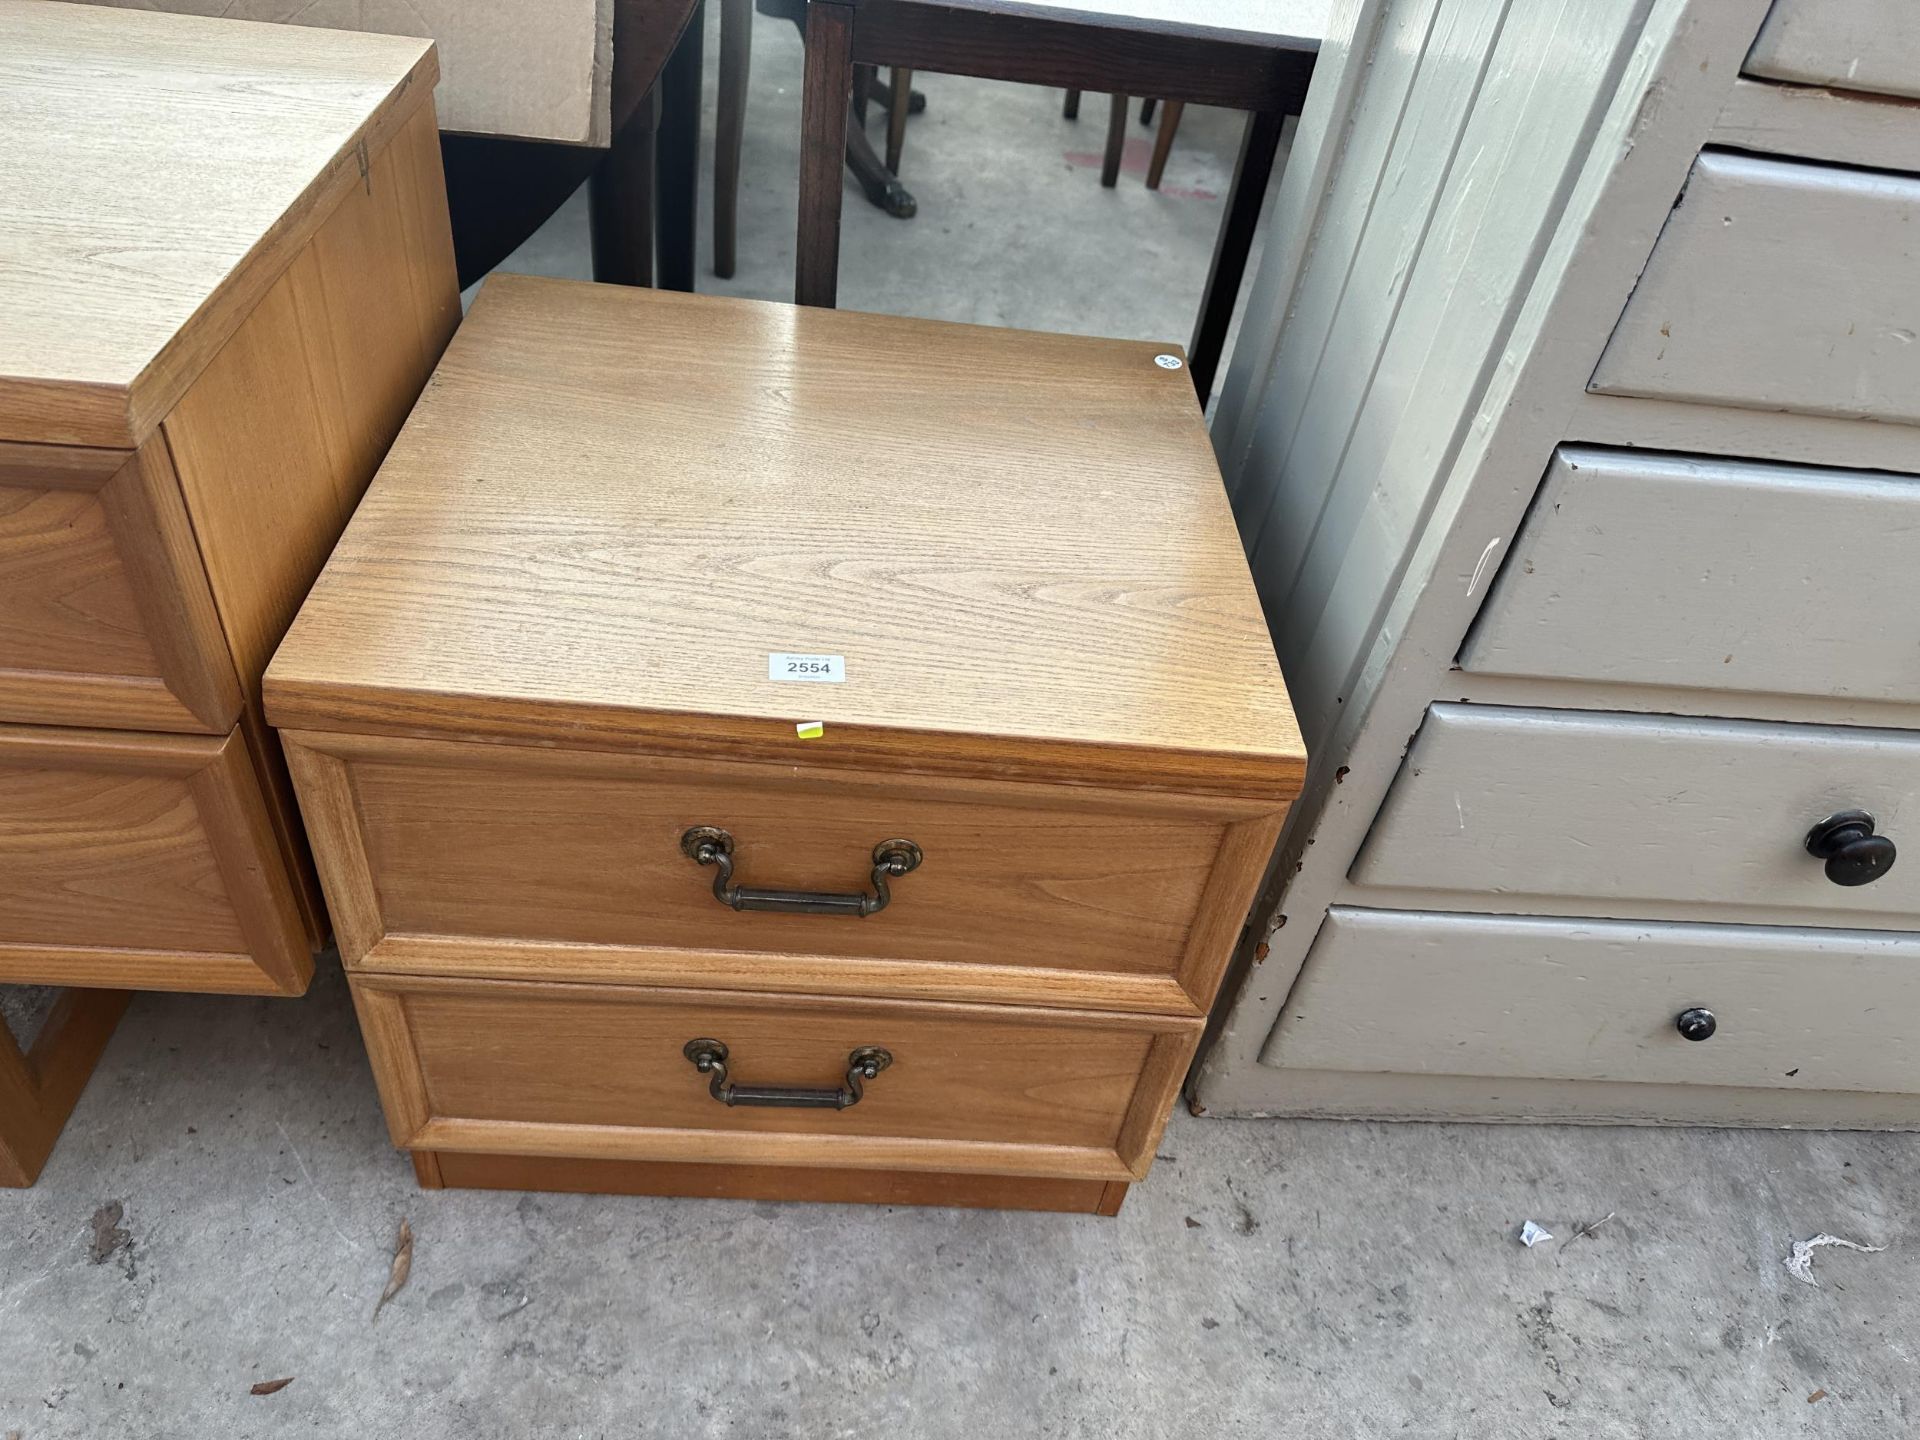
158,173
612,506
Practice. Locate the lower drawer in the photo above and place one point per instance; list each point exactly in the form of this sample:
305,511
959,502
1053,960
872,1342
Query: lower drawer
1433,994
142,862
602,1072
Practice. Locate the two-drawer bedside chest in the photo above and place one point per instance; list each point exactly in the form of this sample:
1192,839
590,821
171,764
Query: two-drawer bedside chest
1592,550
225,273
764,751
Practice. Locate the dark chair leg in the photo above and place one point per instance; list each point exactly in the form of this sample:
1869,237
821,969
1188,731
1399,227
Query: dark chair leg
1071,109
882,94
826,103
1230,251
620,201
730,125
1116,141
1163,142
877,182
900,99
862,92
38,1089
679,162
1146,111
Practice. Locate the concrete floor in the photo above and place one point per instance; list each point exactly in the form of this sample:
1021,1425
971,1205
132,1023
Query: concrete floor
1272,1278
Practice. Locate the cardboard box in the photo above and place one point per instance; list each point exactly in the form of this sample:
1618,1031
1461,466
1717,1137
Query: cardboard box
534,69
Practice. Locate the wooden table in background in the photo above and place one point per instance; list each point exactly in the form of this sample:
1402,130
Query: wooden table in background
1252,55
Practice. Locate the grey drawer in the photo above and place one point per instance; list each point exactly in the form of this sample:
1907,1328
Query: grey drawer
1711,575
1871,45
1779,285
1568,999
1499,808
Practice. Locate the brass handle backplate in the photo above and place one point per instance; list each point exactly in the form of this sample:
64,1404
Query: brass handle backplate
709,845
709,1057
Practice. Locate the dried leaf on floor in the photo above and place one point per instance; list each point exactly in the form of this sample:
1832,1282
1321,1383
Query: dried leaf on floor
271,1387
402,1266
108,1234
1817,1396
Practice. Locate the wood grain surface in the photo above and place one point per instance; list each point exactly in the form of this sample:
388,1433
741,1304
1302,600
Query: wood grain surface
279,436
38,1089
612,505
809,974
105,613
598,1071
136,861
132,243
495,842
438,1169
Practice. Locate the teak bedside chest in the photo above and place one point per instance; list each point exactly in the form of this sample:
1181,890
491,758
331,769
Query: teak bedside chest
613,922
225,272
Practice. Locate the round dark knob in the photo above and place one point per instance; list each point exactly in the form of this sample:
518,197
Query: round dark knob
1696,1024
1854,854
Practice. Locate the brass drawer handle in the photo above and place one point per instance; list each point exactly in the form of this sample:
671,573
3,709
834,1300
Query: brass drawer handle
707,845
709,1057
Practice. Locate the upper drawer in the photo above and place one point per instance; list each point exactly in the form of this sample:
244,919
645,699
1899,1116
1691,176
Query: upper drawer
1600,814
1051,894
1779,286
1710,574
105,614
1849,44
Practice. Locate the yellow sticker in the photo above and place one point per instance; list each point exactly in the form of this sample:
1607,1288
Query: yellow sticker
810,729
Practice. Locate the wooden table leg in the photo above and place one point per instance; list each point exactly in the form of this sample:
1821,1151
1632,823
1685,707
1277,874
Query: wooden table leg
1250,175
825,101
620,201
1116,141
677,216
730,127
38,1089
1163,142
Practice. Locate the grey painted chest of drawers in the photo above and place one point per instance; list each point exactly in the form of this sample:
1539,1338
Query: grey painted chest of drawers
1575,439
